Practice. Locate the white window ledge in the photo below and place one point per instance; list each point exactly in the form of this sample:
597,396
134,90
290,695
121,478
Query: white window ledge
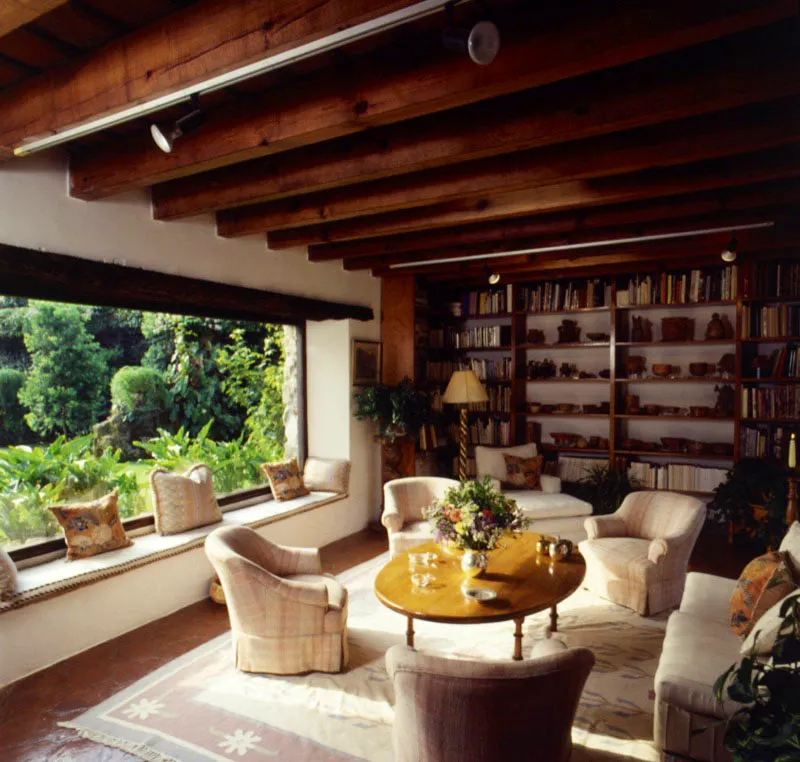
57,576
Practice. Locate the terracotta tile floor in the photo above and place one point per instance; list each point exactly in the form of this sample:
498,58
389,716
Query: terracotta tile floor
31,708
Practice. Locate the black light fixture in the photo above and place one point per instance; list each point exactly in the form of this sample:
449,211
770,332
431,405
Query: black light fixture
165,136
481,43
731,250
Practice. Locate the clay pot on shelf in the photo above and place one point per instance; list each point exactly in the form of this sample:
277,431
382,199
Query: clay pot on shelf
631,403
698,369
727,365
602,443
676,329
699,411
569,332
581,442
673,444
652,409
661,369
697,447
597,336
635,365
535,336
726,403
534,408
715,328
721,448
567,370
642,329
605,373
669,410
563,439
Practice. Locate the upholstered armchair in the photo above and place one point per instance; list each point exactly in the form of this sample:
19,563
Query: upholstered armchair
638,556
450,709
403,501
286,616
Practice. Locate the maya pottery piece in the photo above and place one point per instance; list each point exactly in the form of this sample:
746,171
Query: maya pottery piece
473,563
661,369
569,332
535,336
727,364
642,329
635,365
698,369
676,329
726,403
716,328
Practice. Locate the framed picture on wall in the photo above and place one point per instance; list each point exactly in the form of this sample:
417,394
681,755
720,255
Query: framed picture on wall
366,362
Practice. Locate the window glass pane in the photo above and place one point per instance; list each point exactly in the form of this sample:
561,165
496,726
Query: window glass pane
93,398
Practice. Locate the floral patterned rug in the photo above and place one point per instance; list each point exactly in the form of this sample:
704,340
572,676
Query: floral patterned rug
199,708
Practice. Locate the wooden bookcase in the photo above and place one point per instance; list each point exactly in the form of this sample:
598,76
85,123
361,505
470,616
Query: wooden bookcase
431,315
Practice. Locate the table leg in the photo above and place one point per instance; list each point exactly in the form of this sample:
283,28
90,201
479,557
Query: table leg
518,639
410,632
553,620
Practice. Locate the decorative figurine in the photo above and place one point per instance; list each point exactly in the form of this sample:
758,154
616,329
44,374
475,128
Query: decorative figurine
716,328
569,332
725,404
642,329
535,336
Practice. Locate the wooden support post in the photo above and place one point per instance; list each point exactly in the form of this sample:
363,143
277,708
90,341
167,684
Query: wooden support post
791,502
410,632
518,638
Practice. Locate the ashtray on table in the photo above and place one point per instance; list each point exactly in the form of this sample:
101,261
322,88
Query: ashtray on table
480,594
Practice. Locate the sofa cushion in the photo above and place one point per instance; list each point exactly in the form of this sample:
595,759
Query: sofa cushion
618,554
708,597
761,639
790,545
91,528
762,583
523,473
337,593
544,505
285,480
489,461
696,652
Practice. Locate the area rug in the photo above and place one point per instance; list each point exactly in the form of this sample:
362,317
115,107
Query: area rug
199,708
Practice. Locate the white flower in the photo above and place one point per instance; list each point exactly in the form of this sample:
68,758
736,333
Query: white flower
143,708
240,741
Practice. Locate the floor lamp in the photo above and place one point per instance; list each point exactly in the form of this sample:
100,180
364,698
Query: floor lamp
464,389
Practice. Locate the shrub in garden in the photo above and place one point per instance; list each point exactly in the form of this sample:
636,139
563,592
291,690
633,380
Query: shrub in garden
13,429
66,389
139,393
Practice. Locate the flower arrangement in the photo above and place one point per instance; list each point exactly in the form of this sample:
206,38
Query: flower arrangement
474,516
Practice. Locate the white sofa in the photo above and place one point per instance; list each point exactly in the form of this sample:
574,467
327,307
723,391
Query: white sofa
551,511
699,646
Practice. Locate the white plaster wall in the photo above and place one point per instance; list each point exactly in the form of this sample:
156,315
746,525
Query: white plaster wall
36,212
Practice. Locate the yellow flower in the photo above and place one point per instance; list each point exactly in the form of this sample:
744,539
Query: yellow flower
459,527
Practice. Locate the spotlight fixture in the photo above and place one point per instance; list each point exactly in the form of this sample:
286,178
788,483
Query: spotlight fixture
165,136
492,277
481,43
731,250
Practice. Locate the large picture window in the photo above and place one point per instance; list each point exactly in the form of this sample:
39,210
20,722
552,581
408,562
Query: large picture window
93,398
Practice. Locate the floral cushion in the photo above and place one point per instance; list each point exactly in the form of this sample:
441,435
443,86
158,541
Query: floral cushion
764,581
8,576
326,475
285,480
184,501
91,528
523,473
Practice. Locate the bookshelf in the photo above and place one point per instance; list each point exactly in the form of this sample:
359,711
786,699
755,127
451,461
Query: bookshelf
490,330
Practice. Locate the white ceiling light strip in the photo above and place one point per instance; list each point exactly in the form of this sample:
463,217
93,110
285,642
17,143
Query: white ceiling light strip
589,245
316,47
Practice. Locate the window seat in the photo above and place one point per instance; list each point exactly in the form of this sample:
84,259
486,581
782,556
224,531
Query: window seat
57,576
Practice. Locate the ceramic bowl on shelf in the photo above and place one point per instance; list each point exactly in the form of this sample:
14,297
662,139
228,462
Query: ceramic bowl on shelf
669,410
698,369
721,448
597,336
699,411
635,365
673,444
661,369
547,408
697,447
562,439
534,407
652,409
605,373
591,409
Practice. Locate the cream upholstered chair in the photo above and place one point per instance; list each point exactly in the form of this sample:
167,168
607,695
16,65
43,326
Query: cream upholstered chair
638,556
450,709
287,617
403,501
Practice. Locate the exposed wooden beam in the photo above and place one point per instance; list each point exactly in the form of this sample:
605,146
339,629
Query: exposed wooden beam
721,134
594,105
583,236
17,13
716,173
43,275
186,47
496,234
358,96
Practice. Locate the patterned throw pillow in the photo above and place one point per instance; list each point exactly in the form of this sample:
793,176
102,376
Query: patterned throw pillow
323,475
764,581
8,576
523,473
285,480
183,502
91,528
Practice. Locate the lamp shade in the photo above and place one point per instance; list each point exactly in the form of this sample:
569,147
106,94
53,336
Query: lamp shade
464,387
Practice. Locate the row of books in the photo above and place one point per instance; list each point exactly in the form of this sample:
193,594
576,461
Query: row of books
674,476
783,363
770,322
575,469
479,337
765,441
430,438
771,279
499,401
485,432
771,402
488,302
691,287
557,296
492,370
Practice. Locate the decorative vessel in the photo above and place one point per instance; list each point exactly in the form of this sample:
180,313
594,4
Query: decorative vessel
698,369
677,329
716,328
699,411
661,369
473,563
543,546
560,549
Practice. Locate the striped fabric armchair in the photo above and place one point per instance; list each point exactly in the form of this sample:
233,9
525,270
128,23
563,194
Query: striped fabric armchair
638,556
286,616
403,501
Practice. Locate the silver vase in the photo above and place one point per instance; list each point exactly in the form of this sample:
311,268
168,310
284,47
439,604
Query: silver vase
473,563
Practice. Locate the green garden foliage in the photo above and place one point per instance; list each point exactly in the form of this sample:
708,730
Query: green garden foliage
13,429
66,389
138,392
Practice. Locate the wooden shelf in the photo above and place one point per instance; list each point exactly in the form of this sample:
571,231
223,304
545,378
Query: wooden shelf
670,454
461,350
464,318
550,447
579,345
690,343
567,415
779,421
694,418
771,340
576,311
567,380
775,299
687,305
770,380
680,380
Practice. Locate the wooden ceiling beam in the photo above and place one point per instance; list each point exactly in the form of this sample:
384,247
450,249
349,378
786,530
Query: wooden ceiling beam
497,234
758,167
590,106
716,135
722,219
17,13
361,95
184,48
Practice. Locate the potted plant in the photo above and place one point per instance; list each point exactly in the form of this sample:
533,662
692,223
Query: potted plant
398,410
473,517
752,501
604,487
766,728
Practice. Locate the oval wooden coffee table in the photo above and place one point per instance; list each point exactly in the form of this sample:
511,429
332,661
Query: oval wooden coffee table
524,582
